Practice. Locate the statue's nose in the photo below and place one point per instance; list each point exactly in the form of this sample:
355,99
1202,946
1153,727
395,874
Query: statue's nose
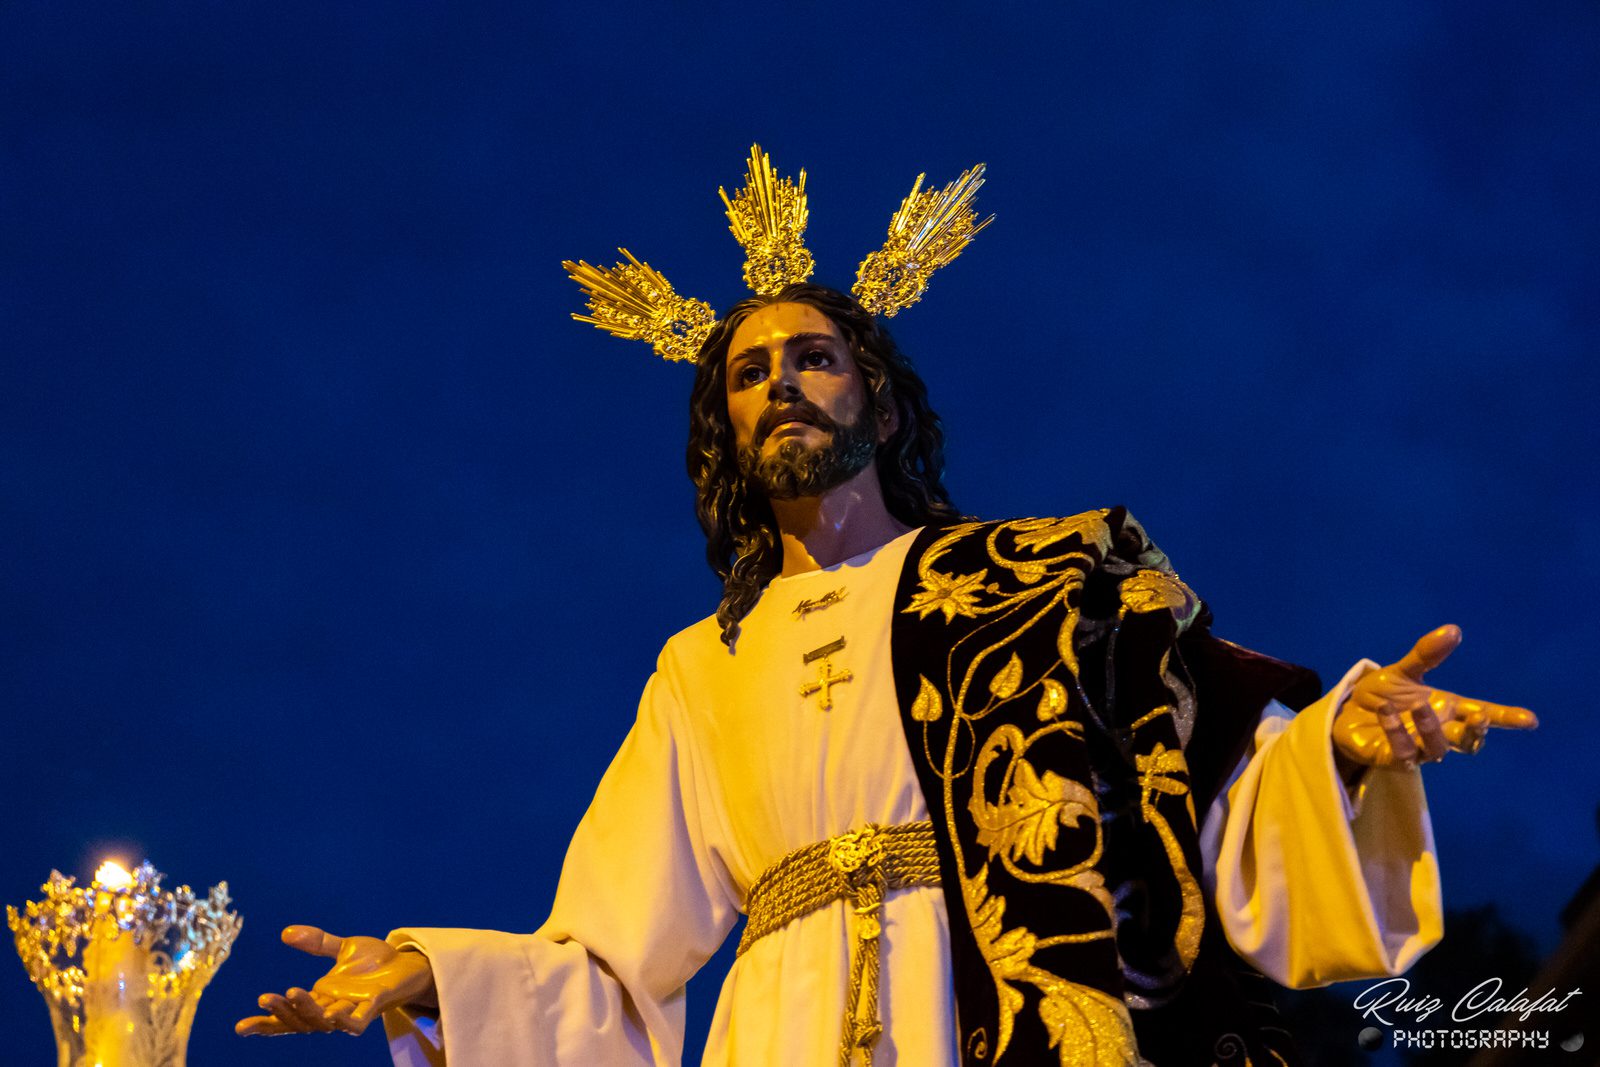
784,387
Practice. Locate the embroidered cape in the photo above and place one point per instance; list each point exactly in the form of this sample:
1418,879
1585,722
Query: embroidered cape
1069,713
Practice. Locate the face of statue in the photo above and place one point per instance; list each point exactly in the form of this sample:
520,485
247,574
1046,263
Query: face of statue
797,402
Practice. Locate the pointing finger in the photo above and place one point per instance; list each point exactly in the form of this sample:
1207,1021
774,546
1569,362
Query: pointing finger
1497,715
1450,706
313,940
1430,650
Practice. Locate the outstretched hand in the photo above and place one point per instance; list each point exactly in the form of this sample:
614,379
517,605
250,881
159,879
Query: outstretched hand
369,977
1392,717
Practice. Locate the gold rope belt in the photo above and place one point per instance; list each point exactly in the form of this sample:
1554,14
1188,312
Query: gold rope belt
860,866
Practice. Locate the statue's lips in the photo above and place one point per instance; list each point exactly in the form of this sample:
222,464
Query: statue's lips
792,424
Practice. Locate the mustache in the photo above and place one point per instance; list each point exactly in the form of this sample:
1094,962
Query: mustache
803,410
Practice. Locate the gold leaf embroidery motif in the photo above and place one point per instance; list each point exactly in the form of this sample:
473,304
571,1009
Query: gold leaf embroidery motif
1035,808
1155,772
927,707
949,594
1052,702
1007,952
1152,590
1039,534
1067,636
1041,566
1026,573
1087,1027
1004,684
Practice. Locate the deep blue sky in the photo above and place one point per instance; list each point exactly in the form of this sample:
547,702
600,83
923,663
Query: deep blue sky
337,555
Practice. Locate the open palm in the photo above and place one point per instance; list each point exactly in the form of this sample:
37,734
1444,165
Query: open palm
369,976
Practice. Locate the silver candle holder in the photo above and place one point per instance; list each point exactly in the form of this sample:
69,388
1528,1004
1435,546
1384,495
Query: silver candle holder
121,963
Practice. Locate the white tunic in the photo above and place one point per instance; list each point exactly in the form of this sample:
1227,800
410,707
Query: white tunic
729,767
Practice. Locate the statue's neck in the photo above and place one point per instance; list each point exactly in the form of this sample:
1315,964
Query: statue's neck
847,520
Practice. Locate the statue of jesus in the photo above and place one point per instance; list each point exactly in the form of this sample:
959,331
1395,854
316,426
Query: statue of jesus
989,792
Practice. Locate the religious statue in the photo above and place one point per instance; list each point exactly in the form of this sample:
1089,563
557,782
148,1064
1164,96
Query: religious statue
988,792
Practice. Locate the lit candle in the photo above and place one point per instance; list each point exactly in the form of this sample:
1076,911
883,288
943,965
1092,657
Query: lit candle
116,976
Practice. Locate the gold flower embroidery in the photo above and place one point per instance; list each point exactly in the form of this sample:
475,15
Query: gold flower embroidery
1039,565
1155,776
1151,590
1035,808
1039,534
1156,767
1052,701
927,707
1156,772
1004,684
1086,1026
1007,952
949,594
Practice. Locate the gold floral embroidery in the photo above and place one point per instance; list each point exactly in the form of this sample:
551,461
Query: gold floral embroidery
1049,559
1052,701
1027,573
1153,590
1156,588
1067,636
959,595
1155,776
927,707
1035,808
1087,1027
949,594
1039,534
1150,716
1004,684
1007,952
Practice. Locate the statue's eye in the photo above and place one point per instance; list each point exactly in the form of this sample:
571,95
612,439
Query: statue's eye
817,357
751,373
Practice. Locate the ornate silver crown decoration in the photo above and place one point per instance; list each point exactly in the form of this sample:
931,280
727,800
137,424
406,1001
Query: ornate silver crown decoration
768,217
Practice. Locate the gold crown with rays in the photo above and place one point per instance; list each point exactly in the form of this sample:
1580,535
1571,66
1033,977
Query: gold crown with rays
768,218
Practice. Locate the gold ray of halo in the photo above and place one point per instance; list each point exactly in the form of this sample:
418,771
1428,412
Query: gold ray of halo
930,229
633,301
768,218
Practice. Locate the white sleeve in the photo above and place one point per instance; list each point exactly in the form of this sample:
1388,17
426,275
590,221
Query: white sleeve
1312,888
642,904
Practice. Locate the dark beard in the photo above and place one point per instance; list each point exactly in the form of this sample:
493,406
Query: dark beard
795,471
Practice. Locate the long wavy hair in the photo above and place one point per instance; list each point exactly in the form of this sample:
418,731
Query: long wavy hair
742,543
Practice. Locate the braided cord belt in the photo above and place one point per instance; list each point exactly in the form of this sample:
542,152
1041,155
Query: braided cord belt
860,866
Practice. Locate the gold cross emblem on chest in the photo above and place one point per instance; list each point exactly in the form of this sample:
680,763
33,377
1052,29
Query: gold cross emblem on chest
827,679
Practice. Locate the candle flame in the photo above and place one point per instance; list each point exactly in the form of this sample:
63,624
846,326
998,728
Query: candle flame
113,875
